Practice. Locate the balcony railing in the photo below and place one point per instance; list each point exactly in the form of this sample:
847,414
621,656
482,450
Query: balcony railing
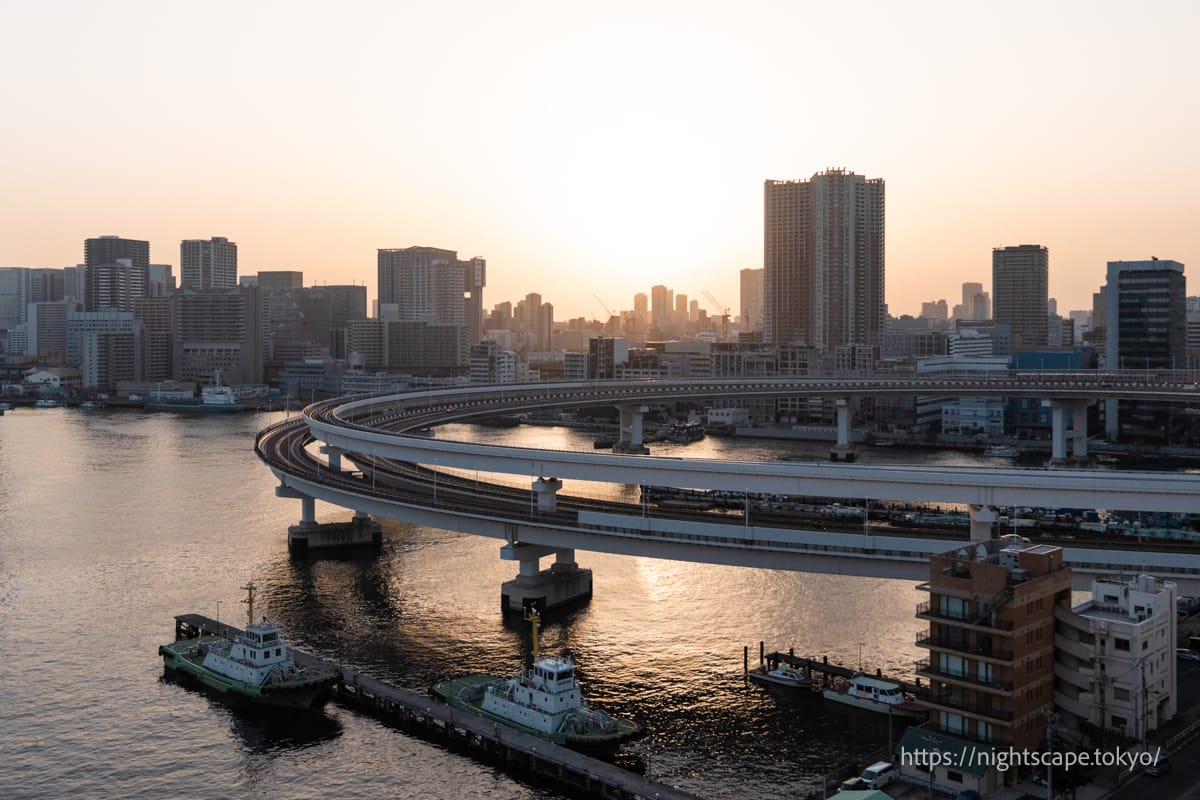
925,639
958,703
929,670
925,612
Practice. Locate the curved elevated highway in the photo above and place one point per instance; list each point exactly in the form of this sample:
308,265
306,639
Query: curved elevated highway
380,436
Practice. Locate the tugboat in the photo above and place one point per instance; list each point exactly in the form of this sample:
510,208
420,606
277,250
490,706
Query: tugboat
253,667
544,701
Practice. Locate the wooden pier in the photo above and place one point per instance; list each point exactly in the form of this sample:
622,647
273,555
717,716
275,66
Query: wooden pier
518,752
828,672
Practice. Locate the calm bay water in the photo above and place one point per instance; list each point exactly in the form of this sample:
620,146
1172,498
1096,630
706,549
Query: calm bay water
112,523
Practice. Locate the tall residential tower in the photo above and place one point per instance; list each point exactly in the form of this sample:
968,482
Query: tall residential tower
1021,293
823,280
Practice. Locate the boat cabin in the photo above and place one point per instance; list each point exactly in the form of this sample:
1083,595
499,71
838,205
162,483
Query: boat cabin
878,690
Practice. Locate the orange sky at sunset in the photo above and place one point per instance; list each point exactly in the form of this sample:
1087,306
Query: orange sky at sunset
585,148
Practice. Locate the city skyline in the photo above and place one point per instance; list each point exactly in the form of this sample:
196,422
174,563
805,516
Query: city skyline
574,172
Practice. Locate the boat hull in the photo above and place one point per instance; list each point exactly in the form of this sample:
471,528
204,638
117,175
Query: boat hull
184,658
908,710
466,693
764,678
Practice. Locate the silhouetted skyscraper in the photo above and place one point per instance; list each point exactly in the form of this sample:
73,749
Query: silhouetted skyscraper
823,280
1021,293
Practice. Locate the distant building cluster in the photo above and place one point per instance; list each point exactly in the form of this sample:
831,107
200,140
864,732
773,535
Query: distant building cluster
816,305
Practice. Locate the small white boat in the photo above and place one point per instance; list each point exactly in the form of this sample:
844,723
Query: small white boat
876,694
46,402
784,676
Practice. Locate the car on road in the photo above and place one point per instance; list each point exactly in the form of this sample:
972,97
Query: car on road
1160,766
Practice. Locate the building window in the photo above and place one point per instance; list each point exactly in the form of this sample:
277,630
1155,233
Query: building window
1120,694
954,777
1121,644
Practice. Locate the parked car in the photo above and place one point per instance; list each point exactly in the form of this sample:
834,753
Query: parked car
1160,766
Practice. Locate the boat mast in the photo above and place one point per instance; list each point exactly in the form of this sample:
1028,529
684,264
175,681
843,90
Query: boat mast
534,620
249,601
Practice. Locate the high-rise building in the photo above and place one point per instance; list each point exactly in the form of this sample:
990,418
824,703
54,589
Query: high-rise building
751,300
429,285
661,303
219,329
14,296
208,263
116,272
270,280
823,261
976,304
1146,328
161,281
1021,293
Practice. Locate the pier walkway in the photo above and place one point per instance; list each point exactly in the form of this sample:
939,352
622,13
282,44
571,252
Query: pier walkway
518,752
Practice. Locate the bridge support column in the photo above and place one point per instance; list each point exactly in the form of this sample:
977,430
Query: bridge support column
1060,435
310,534
546,490
982,519
630,438
1079,430
844,450
564,584
335,456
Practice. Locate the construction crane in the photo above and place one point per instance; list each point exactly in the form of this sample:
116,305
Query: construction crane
605,307
723,310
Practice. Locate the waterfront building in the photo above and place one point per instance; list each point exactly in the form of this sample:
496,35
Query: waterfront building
823,261
1115,657
208,263
991,613
605,355
219,329
1021,293
1146,328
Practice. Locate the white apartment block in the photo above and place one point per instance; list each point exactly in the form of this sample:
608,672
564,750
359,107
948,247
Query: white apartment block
1115,664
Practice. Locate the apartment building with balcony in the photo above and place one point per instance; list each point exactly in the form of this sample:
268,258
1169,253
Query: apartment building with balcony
991,639
1115,667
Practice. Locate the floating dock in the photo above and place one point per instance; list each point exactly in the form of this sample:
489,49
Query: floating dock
519,753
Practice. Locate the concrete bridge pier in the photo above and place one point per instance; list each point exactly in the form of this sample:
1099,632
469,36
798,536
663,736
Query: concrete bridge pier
310,534
546,490
335,456
630,439
982,520
843,450
1060,434
564,584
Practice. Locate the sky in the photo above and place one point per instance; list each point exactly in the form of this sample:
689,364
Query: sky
599,149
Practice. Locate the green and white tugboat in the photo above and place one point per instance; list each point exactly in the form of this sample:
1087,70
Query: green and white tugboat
254,666
543,700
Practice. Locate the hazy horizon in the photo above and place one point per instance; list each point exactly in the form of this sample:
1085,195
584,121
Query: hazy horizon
583,151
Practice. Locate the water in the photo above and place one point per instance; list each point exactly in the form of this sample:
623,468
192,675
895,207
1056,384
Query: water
112,523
